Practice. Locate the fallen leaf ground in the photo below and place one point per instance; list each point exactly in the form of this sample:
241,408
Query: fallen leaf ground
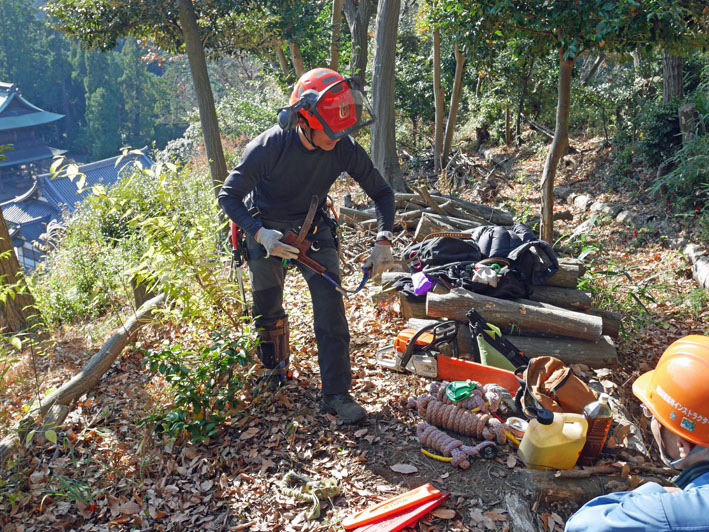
106,473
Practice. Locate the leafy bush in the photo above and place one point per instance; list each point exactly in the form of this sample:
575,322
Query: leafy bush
250,110
82,277
686,187
104,245
204,383
659,133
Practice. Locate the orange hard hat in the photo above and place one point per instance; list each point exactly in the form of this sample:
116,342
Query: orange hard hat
336,106
676,391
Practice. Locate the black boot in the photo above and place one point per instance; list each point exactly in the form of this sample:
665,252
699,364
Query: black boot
346,408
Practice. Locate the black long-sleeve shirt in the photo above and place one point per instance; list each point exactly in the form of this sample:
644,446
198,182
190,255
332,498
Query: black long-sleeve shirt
284,176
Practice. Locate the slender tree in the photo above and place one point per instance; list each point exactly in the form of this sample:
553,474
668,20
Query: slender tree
174,27
17,306
336,31
358,14
383,136
573,28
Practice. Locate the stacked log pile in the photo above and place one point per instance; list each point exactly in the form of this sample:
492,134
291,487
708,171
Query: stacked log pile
557,320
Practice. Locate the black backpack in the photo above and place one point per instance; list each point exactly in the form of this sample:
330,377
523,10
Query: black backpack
442,250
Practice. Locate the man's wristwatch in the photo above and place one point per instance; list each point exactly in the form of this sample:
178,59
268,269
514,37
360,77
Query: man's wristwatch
387,236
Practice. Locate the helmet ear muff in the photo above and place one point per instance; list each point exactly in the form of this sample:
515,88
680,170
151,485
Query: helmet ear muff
287,117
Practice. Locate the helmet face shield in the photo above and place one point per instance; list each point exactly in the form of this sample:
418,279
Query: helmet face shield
342,108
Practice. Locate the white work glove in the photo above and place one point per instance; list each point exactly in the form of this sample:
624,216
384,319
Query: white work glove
380,260
271,240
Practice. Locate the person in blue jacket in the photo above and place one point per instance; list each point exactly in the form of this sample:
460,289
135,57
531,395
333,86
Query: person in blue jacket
675,396
282,183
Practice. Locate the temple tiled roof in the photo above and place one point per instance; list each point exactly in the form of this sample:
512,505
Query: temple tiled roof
16,112
30,154
63,193
29,218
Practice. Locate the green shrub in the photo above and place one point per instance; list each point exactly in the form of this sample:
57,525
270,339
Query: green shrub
82,277
250,110
205,383
659,133
104,244
686,187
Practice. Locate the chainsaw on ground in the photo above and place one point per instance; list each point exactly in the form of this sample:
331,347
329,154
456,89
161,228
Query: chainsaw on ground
432,352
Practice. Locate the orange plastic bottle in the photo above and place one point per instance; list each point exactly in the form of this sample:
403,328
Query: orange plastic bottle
599,417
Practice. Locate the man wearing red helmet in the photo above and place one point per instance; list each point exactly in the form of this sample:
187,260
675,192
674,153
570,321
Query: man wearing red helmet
675,397
271,191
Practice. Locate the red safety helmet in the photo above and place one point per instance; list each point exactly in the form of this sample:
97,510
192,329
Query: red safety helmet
676,391
330,102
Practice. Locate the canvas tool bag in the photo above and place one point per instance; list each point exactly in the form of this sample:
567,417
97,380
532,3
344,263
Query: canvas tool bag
548,383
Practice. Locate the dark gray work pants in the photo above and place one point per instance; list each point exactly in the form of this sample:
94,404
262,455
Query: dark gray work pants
329,320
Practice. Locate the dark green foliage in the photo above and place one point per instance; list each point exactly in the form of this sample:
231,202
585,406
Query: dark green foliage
91,268
686,186
413,87
205,383
659,133
55,74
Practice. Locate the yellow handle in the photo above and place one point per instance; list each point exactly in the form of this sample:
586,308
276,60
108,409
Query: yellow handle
436,456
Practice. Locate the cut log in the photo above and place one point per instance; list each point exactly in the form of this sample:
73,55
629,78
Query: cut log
562,297
427,225
699,259
611,321
83,381
433,223
577,486
529,316
599,354
520,515
485,214
482,213
570,270
412,309
548,489
354,216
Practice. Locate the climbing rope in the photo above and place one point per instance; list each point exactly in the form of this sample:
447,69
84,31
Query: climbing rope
312,492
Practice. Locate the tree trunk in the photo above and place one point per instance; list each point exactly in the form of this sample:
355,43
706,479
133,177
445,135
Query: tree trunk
522,96
282,61
383,146
594,68
205,99
83,381
558,148
438,102
18,307
525,315
336,30
672,81
296,59
455,103
357,15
